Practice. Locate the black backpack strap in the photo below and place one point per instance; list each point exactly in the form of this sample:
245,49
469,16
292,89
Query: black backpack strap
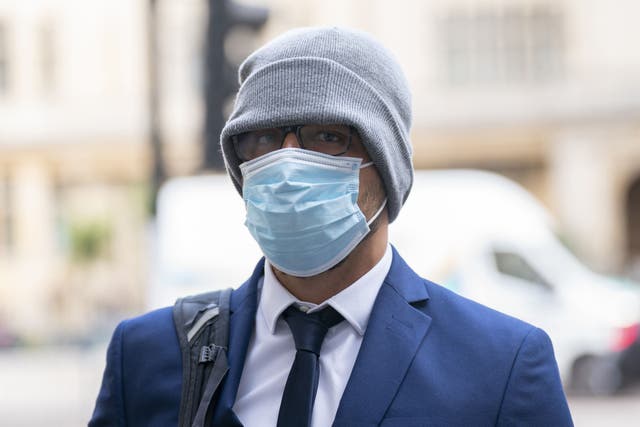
202,324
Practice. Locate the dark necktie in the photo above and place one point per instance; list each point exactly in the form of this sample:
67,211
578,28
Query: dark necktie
300,392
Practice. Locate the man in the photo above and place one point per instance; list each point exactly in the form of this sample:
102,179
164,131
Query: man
333,328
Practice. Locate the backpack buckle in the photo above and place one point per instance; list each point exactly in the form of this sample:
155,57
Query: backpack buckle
208,353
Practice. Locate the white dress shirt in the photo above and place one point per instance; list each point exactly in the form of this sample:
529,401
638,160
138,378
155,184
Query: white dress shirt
271,348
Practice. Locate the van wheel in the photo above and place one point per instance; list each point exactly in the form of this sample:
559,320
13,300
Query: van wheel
596,376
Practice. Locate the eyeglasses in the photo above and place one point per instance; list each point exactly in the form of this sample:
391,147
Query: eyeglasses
328,139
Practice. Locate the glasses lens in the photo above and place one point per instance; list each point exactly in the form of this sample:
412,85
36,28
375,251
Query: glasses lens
328,139
250,145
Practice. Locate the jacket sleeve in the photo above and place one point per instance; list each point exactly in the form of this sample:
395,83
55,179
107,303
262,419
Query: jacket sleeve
534,394
109,409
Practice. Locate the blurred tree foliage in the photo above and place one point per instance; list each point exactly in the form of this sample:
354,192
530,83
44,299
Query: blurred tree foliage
88,241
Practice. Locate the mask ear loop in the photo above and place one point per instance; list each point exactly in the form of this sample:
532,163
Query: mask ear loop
377,214
365,165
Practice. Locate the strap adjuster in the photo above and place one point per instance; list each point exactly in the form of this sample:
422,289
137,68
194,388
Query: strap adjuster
208,353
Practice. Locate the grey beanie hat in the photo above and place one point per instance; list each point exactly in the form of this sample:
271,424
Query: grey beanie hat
329,76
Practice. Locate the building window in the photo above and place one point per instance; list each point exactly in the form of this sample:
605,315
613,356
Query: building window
47,52
4,59
510,44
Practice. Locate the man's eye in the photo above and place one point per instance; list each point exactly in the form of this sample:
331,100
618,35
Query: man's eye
266,138
329,137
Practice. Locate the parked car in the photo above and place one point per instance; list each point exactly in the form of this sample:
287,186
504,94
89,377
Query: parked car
7,338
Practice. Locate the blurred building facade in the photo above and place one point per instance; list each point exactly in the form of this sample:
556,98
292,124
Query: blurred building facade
73,120
546,92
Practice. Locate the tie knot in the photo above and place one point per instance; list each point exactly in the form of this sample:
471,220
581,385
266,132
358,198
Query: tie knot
308,330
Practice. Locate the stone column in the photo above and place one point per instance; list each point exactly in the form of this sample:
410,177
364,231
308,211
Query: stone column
583,194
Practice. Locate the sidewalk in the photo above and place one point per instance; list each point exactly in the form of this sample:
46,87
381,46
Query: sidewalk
54,386
57,386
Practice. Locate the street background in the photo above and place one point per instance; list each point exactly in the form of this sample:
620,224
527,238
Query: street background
111,110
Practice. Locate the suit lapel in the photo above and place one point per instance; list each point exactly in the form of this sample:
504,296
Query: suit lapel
394,334
243,313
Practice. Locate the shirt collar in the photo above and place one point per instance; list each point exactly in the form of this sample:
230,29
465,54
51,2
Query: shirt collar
354,303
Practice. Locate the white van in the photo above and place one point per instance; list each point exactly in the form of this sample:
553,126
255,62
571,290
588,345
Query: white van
475,232
488,239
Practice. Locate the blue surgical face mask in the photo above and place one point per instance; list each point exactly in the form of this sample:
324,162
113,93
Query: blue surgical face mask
302,208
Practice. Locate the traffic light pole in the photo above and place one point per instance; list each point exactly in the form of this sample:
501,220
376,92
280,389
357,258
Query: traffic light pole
157,171
215,83
220,74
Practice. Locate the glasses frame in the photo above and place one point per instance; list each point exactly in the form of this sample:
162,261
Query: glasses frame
295,129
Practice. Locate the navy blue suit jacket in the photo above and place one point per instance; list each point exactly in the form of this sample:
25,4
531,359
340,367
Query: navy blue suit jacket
428,358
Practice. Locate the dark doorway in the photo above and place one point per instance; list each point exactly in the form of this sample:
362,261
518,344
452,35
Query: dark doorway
633,223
